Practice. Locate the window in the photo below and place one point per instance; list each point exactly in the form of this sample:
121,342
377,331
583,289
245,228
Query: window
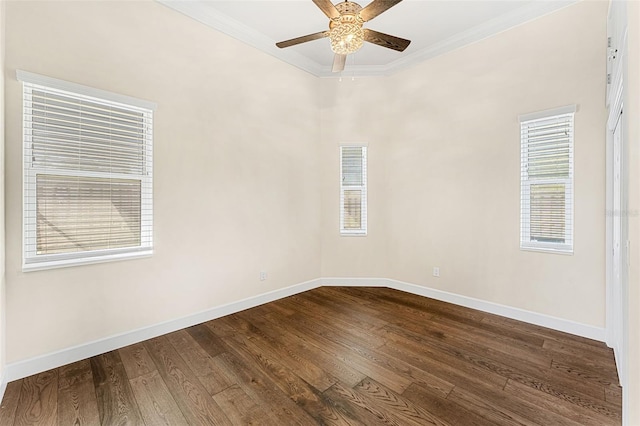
546,216
353,190
87,174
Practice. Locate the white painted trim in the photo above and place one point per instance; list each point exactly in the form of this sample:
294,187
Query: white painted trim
223,23
3,385
548,113
354,282
567,326
28,367
54,83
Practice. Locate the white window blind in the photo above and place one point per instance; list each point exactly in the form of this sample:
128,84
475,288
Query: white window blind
353,190
87,176
546,218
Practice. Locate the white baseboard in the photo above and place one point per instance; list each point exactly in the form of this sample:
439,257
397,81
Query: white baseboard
28,367
3,384
567,326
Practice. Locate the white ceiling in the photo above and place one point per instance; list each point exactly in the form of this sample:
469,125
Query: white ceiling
433,26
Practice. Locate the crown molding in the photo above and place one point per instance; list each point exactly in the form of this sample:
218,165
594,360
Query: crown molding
217,20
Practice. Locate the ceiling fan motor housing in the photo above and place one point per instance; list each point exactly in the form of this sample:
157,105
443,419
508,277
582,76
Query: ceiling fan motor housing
349,14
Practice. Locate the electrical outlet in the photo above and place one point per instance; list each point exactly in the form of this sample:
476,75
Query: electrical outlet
436,271
263,275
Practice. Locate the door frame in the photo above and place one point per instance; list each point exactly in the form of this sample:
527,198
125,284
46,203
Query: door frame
616,309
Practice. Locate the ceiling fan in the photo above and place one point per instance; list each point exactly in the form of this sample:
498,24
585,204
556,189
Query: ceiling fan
345,29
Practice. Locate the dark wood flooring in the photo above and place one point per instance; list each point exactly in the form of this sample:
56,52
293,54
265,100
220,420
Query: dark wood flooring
334,356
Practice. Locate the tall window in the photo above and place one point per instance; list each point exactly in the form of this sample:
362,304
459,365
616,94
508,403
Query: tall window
87,174
353,190
546,217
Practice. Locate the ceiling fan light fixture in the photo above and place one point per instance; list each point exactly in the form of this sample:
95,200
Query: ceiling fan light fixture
346,37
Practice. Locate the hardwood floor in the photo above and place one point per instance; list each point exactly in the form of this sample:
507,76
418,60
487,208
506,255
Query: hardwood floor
334,356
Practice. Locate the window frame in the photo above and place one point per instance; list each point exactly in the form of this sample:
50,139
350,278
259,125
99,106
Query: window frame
32,261
362,231
526,244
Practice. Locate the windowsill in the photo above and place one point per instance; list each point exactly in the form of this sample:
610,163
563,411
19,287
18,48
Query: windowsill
65,263
548,250
353,234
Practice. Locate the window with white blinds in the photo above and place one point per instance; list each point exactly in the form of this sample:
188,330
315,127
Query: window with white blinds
546,216
87,174
353,190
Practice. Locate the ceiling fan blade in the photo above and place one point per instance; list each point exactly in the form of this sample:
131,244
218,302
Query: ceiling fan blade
338,62
386,40
328,8
303,39
376,7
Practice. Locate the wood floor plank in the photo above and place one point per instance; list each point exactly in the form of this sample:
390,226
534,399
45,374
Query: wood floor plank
498,344
488,409
399,406
552,381
157,406
136,360
339,305
238,406
70,374
315,304
10,402
206,367
77,403
543,401
613,394
345,353
301,344
116,403
359,408
261,388
192,398
455,371
38,401
453,368
549,334
206,339
295,388
601,356
270,343
444,408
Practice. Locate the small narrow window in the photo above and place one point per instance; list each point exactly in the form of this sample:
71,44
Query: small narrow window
87,174
546,200
353,190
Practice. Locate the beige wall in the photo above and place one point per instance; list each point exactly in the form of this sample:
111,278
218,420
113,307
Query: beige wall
445,165
632,112
2,243
235,173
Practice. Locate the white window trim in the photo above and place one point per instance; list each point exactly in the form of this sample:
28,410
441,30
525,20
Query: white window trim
363,209
42,262
525,243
